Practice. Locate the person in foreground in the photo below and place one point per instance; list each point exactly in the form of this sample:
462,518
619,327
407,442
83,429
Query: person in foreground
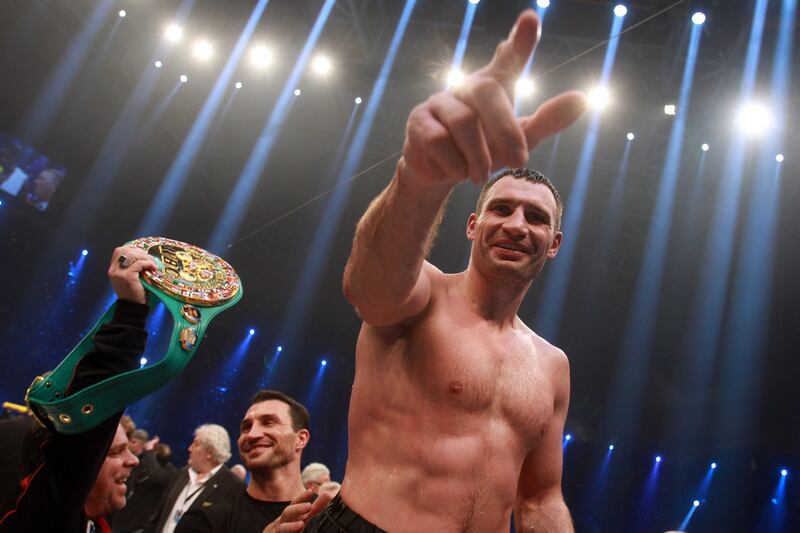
74,482
273,434
458,408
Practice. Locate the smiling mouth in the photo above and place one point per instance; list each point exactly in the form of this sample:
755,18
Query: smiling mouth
511,248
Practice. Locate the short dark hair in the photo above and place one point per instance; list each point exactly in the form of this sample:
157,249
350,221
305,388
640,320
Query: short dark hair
298,412
528,174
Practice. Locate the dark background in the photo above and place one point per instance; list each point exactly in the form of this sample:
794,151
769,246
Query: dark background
45,311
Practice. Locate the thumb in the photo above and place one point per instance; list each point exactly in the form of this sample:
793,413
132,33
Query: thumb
553,116
512,54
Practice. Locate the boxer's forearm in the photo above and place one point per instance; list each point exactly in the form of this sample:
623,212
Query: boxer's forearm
389,249
550,516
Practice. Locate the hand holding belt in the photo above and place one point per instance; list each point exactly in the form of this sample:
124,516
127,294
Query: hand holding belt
194,285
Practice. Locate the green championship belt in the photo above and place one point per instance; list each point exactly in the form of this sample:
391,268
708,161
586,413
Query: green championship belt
194,285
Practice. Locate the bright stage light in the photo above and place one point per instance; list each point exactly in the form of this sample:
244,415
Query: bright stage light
567,437
630,136
543,3
474,2
158,64
620,10
184,78
252,331
658,458
704,147
784,472
143,361
261,56
598,98
279,349
297,92
202,50
696,503
84,252
524,87
754,118
173,33
324,362
122,13
238,85
698,18
611,447
713,466
455,78
358,100
322,65
779,158
670,109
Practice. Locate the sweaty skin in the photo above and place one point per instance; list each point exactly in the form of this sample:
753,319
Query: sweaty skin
448,406
458,408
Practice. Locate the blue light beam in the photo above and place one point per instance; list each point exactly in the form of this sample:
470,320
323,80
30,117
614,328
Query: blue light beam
295,318
52,95
236,206
630,378
551,307
173,183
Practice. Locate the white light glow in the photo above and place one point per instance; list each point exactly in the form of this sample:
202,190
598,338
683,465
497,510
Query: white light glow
754,118
696,503
184,78
474,2
158,64
543,3
322,65
358,100
173,33
122,13
524,87
620,10
670,109
630,136
704,147
238,85
779,158
455,78
698,18
202,50
297,92
599,98
261,56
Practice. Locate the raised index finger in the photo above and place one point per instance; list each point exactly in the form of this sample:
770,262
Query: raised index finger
513,53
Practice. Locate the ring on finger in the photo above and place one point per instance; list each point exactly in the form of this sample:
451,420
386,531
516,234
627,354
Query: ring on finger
125,262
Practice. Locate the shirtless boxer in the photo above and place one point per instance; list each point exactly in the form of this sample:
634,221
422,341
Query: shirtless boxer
458,408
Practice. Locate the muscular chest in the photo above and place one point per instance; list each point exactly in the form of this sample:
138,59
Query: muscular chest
472,369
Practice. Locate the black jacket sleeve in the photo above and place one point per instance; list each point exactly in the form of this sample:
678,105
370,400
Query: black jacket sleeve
57,488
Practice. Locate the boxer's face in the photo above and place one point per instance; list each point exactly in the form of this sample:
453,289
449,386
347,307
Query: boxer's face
515,233
268,439
108,492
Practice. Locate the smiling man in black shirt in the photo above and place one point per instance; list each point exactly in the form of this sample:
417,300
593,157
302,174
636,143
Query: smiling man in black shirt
273,434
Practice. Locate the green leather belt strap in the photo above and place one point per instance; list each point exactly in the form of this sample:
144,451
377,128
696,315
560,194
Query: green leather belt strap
194,285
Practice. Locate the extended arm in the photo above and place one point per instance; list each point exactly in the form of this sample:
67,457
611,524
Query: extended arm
540,506
456,135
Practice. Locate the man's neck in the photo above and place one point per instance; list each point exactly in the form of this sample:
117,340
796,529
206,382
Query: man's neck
204,471
276,485
497,301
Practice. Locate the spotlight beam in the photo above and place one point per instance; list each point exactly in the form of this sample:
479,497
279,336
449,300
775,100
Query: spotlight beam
551,307
463,37
175,180
629,384
56,88
236,206
296,316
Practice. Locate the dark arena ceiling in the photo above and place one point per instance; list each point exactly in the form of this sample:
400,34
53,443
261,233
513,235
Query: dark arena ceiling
726,300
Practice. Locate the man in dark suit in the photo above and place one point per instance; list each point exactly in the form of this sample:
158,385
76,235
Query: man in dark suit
204,482
147,485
